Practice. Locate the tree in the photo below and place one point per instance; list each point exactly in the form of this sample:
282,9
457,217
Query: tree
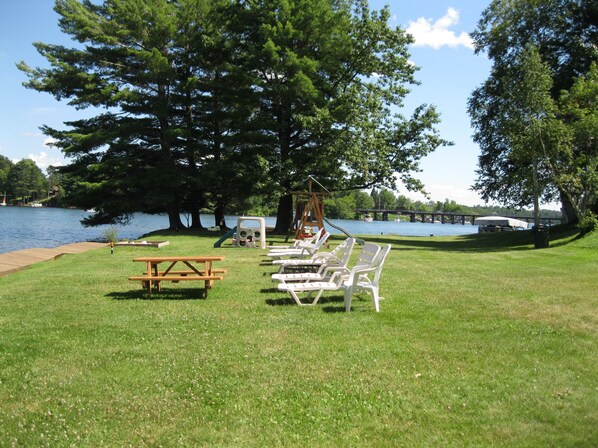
577,171
564,33
529,120
404,203
26,181
5,166
363,200
387,199
213,102
326,75
139,154
340,206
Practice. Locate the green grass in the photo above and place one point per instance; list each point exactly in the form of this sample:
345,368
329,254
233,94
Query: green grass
481,341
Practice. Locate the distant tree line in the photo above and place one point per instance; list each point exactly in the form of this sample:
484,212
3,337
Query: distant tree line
344,205
22,182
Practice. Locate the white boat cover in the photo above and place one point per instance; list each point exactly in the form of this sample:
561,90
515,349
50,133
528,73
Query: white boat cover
500,221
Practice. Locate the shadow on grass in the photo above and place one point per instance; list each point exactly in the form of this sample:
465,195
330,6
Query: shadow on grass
164,294
485,242
288,301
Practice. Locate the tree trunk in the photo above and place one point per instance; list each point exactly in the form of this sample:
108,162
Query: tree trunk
536,192
219,219
174,220
196,220
568,210
284,215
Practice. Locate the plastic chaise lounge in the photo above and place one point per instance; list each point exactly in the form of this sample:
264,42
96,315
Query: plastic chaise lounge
313,239
359,278
367,255
339,255
301,251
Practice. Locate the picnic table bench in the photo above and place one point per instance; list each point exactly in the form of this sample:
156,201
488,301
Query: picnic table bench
194,269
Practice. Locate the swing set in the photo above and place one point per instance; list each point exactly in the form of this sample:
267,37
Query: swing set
309,211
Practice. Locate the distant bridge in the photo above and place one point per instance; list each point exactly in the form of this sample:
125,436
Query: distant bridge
441,217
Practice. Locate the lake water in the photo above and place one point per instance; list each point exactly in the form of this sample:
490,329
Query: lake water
26,227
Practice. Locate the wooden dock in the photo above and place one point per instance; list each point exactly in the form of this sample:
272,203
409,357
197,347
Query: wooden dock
15,261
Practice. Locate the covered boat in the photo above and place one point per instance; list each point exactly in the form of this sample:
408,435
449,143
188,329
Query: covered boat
499,223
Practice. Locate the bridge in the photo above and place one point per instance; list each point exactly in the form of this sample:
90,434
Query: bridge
441,217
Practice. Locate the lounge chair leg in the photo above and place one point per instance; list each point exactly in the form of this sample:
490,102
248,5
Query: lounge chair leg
348,297
317,297
295,297
376,300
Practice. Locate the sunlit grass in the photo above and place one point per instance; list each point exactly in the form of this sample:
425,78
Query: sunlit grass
481,341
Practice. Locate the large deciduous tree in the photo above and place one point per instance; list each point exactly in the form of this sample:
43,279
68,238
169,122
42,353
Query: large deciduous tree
564,35
5,166
26,181
326,76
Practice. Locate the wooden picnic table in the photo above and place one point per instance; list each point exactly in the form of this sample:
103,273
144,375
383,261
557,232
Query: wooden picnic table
195,269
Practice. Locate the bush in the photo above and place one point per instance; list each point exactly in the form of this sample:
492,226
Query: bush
110,235
588,223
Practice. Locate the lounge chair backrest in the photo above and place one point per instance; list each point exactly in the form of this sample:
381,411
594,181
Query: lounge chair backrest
343,251
314,238
360,280
322,240
379,264
368,254
312,241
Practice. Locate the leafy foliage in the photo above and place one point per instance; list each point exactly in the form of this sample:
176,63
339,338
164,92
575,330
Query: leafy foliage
563,32
216,102
26,181
5,166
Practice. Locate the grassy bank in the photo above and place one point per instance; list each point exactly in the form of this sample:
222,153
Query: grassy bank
481,341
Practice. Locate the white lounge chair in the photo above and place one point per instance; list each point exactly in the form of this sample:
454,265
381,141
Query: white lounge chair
357,279
301,251
360,281
368,253
339,255
313,239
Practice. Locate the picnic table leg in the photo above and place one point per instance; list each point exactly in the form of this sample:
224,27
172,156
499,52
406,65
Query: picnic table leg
148,287
208,283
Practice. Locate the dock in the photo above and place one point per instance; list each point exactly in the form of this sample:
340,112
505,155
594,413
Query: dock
15,261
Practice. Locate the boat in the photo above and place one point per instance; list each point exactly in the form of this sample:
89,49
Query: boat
368,218
499,224
35,204
3,203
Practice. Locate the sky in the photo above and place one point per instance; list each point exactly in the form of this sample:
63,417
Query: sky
443,50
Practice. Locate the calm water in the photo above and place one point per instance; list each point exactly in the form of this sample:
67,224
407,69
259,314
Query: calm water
25,227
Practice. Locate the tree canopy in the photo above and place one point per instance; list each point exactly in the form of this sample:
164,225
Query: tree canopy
204,102
513,110
26,181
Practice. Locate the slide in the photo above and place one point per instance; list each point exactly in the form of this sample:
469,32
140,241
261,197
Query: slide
226,235
331,224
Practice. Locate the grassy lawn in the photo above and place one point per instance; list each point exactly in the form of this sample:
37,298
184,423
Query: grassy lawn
481,341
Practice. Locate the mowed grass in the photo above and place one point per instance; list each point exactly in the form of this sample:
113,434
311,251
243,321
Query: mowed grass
481,341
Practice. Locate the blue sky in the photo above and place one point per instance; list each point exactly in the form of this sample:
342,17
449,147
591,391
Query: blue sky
449,72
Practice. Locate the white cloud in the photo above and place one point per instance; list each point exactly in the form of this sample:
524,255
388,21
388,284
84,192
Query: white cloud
48,142
438,34
43,160
461,195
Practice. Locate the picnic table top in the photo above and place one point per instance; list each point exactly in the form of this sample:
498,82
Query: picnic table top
179,258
